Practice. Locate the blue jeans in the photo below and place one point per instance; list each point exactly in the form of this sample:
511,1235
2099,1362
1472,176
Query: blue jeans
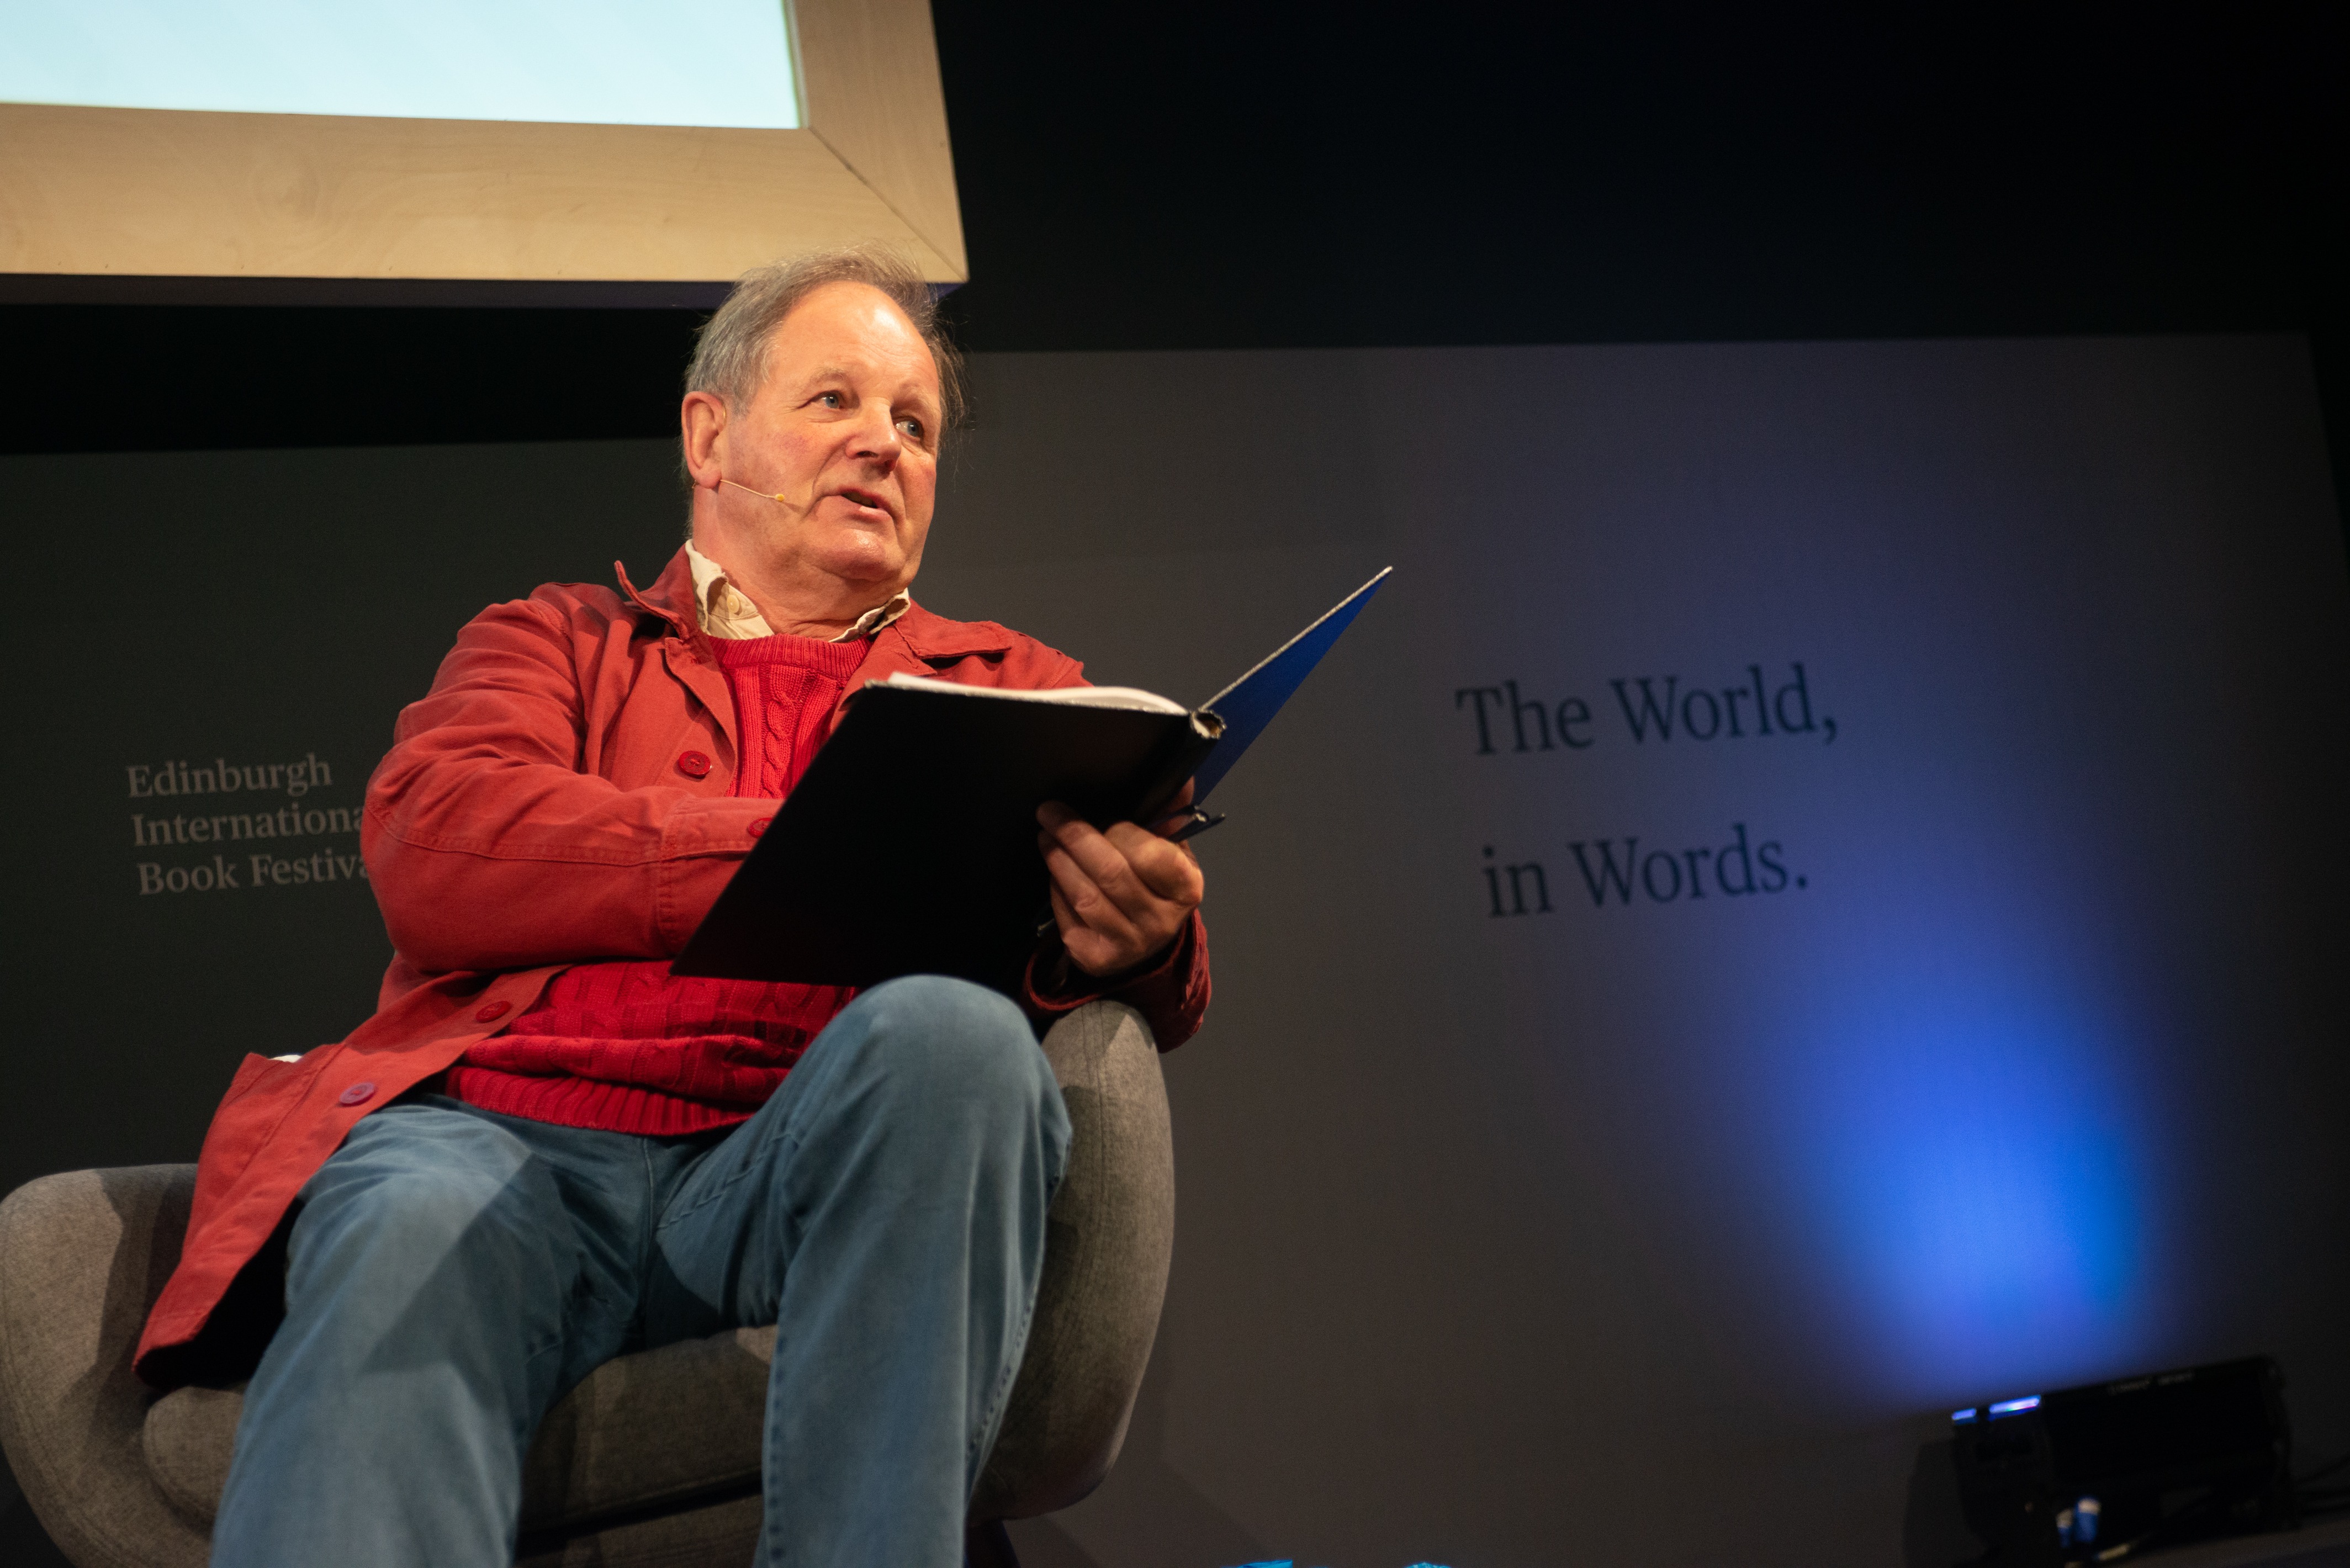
453,1272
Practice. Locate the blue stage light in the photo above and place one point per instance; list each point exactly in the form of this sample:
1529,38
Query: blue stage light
1958,1137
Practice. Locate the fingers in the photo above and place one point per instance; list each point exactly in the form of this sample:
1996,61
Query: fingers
1073,930
1120,896
1129,866
1089,949
1099,937
1122,915
1169,870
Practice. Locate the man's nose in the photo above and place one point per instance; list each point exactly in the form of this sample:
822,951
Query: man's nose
876,435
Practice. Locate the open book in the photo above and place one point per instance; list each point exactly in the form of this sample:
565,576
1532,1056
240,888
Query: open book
910,846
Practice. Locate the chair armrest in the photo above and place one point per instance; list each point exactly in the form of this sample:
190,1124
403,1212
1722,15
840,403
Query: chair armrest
1109,1238
82,1258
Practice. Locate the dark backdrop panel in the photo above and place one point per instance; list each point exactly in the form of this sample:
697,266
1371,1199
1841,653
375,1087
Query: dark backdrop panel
1646,1226
252,609
1640,1226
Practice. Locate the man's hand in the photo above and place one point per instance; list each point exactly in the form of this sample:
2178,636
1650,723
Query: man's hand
1120,896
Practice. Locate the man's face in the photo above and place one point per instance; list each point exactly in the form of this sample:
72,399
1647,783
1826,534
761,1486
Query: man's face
845,430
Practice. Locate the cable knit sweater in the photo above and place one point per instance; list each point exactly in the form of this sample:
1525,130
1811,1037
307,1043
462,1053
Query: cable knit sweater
627,1046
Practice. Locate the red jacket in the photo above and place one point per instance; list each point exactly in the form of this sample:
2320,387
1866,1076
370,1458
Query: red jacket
531,813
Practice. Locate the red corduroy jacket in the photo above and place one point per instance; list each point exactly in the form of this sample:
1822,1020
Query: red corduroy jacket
561,795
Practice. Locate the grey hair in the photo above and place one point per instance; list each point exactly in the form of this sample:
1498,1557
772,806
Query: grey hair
730,354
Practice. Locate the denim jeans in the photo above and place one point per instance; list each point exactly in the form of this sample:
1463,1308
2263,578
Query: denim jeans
451,1272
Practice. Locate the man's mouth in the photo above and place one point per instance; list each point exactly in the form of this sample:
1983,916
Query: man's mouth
864,498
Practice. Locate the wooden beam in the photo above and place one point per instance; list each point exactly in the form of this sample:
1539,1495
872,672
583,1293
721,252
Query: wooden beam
870,85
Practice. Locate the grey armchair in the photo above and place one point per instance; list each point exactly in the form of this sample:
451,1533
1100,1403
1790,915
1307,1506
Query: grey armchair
654,1459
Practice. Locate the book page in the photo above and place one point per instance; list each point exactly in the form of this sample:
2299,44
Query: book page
1069,696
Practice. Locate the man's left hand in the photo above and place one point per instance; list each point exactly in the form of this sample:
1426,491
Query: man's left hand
1120,896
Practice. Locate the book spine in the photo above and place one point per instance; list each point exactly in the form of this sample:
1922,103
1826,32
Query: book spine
1171,768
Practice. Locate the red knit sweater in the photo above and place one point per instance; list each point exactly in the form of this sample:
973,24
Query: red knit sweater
625,1045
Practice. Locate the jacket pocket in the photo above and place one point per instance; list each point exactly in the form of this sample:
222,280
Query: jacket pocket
258,1097
254,1070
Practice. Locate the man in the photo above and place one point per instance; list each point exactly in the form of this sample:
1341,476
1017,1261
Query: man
544,1149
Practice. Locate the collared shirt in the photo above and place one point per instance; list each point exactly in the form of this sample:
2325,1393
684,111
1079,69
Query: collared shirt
726,611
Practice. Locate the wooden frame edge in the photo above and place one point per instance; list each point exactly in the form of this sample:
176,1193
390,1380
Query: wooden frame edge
869,87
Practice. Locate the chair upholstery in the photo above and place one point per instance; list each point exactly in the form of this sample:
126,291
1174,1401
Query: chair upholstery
654,1459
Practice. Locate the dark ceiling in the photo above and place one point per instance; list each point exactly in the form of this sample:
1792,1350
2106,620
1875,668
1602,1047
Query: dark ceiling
1227,176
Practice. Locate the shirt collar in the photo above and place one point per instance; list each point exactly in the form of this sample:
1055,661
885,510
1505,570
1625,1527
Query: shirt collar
726,611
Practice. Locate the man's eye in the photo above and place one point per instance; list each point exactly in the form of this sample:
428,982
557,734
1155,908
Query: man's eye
829,399
912,427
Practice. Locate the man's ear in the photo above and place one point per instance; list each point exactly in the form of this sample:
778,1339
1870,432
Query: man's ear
701,419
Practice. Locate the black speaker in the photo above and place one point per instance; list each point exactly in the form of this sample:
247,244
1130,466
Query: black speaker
2069,1477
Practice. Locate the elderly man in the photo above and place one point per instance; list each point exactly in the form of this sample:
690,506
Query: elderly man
544,1149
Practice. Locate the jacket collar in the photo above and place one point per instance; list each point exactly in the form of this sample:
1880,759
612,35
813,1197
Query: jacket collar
919,643
934,637
922,636
672,596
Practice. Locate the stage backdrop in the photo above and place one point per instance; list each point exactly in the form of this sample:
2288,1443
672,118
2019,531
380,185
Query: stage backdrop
1814,898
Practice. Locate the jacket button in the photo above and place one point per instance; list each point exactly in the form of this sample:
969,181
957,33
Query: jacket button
357,1095
491,1011
759,825
692,765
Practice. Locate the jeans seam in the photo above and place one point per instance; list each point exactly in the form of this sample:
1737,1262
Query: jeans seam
741,1171
645,1248
1003,1381
1011,1373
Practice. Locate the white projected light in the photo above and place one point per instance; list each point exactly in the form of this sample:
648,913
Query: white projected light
724,63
